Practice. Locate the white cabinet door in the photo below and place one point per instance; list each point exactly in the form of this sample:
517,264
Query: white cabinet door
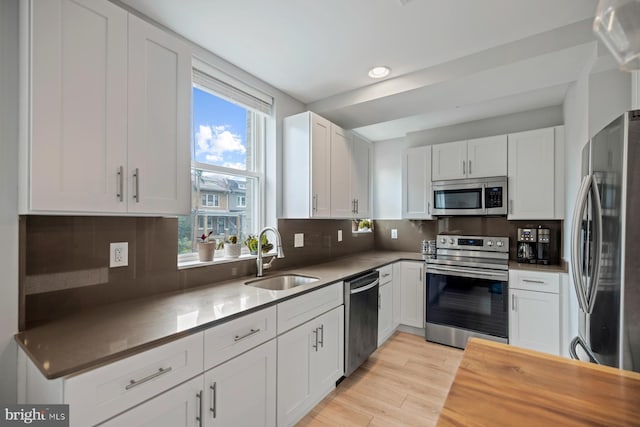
412,294
532,174
178,407
385,313
310,361
240,392
78,106
320,167
534,320
159,95
449,161
361,176
340,173
416,183
487,157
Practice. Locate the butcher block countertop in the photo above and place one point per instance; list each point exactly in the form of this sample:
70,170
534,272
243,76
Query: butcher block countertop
501,385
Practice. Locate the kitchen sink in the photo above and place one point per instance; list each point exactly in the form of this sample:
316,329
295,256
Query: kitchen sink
281,282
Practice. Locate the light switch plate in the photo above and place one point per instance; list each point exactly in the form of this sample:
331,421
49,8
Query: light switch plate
119,254
298,240
339,235
394,233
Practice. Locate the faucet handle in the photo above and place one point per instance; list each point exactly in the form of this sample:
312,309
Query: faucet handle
267,265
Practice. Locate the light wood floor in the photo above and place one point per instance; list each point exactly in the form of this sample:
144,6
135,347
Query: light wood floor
404,383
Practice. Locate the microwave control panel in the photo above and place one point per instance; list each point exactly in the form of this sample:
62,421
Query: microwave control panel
493,197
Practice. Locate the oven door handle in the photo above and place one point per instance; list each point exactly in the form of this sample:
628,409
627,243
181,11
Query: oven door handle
468,272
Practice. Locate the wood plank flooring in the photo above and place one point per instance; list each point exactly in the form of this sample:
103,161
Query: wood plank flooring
404,383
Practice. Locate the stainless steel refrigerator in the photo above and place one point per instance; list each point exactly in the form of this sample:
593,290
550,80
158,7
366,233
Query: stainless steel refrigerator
605,247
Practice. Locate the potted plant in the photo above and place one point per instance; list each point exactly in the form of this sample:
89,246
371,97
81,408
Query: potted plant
252,244
231,247
364,225
206,247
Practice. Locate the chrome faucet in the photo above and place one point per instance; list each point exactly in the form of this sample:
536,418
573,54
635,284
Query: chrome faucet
279,254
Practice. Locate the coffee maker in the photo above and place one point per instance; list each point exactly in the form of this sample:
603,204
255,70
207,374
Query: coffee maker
544,246
527,245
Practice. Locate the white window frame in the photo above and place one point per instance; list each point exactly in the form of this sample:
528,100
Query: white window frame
259,159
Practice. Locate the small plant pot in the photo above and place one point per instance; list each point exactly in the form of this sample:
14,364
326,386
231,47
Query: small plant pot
232,250
206,250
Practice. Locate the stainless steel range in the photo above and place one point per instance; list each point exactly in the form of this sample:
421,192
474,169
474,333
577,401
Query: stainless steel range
467,290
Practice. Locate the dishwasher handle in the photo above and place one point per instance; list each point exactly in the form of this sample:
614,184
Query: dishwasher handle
365,288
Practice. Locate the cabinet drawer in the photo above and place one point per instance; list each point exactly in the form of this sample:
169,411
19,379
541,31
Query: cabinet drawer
534,281
298,310
386,274
230,339
104,392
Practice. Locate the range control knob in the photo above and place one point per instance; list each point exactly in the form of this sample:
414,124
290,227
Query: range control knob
451,241
489,243
443,240
499,243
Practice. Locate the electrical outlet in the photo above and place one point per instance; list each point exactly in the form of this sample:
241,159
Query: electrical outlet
394,233
298,240
339,235
118,254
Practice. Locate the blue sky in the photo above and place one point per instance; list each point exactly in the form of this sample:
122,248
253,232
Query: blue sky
219,131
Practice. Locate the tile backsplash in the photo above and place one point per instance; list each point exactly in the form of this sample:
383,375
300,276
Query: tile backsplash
64,260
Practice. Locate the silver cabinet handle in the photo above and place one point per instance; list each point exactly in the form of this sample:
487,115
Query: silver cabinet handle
134,383
379,303
513,302
510,207
322,336
120,193
136,176
199,408
315,202
315,333
214,400
357,206
540,282
429,208
386,274
464,169
353,206
469,167
247,335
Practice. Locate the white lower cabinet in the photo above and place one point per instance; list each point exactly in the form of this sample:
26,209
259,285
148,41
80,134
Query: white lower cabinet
240,392
412,293
385,313
178,407
535,311
310,361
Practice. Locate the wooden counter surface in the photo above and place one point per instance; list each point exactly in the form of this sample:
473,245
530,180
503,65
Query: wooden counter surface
502,385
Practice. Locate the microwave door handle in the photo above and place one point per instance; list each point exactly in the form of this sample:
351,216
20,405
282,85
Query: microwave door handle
597,243
484,200
576,256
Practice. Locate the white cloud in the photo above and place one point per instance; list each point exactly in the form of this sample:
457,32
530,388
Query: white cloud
217,140
235,165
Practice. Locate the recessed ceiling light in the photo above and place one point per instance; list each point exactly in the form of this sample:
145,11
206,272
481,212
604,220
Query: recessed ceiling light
379,72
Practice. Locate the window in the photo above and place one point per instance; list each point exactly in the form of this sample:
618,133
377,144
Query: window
227,179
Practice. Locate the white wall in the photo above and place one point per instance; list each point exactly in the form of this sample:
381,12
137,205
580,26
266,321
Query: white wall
610,95
387,160
8,198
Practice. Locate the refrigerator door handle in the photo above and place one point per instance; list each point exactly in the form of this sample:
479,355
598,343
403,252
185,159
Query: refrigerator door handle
577,341
583,194
597,225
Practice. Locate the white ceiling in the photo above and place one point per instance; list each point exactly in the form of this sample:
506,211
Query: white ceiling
452,60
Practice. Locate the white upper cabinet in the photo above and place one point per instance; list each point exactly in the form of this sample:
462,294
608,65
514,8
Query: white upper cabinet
536,174
476,158
108,95
487,156
342,205
78,106
449,160
416,183
306,182
326,170
361,176
159,117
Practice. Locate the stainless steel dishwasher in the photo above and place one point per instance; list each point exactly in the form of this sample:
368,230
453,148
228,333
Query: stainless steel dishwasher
360,319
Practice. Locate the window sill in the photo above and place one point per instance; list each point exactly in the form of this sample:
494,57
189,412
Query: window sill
362,231
194,263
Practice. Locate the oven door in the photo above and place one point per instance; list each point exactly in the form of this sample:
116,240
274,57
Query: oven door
468,298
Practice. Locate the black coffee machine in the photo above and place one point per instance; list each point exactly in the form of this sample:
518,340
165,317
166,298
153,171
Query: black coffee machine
535,246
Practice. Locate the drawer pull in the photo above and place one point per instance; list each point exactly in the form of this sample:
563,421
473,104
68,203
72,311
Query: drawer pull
386,274
321,341
539,282
133,383
247,335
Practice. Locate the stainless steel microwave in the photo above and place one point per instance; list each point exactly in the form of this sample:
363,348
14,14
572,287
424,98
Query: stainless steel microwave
478,196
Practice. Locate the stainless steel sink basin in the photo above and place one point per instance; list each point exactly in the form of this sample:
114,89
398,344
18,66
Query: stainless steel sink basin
281,282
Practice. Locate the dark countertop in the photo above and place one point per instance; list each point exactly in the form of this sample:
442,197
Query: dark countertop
563,267
501,385
91,339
